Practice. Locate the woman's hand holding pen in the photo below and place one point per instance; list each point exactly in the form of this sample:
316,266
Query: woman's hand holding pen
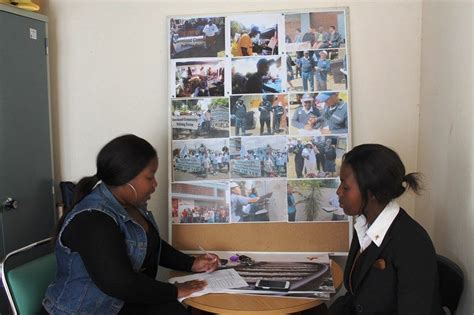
189,287
205,263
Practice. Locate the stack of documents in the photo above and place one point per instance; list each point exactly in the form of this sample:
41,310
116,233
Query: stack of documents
217,281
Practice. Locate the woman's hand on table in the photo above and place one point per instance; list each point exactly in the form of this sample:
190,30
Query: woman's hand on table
187,288
205,263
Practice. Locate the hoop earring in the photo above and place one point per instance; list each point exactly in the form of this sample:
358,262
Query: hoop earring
134,191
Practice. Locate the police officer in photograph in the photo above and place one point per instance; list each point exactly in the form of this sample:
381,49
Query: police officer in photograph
334,116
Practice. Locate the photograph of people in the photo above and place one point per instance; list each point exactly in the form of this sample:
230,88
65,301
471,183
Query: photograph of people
200,118
199,159
318,113
108,247
241,119
316,70
256,75
258,157
291,72
392,264
253,115
334,117
304,115
290,196
314,200
258,201
315,30
197,37
200,202
307,65
323,66
199,79
315,157
253,35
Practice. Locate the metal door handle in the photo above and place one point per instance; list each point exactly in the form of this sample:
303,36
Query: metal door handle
10,204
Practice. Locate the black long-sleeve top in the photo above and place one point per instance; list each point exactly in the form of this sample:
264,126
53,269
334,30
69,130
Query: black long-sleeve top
99,242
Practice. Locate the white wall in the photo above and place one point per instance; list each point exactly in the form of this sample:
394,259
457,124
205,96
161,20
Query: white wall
109,76
446,135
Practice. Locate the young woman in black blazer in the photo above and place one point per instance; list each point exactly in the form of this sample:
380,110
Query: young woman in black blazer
391,267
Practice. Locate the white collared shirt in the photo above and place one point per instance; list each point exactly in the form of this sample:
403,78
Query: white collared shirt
376,232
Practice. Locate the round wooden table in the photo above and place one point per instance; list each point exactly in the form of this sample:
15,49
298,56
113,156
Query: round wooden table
231,304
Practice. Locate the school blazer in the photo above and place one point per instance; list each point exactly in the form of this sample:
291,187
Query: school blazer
399,277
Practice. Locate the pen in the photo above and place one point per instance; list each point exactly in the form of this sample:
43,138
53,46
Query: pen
205,252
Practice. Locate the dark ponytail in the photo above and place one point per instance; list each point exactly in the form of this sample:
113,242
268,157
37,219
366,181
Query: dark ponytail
413,181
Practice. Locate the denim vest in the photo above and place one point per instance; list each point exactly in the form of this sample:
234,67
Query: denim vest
73,291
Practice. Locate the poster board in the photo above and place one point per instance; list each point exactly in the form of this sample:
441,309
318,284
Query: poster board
259,119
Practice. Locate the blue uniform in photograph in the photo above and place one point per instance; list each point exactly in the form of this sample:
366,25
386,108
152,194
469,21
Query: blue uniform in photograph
336,117
307,66
324,66
240,118
300,116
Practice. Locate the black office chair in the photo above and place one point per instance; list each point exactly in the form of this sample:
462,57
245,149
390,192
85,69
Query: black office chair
67,191
451,283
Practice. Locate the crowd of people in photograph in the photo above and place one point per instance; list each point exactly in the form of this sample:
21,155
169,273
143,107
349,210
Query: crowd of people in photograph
211,161
202,214
273,163
315,158
318,39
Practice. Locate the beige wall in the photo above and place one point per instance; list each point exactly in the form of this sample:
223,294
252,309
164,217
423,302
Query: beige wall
446,135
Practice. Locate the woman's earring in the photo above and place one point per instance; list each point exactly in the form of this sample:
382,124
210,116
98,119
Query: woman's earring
134,191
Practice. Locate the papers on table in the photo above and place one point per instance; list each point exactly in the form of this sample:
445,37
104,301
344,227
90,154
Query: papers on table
309,276
217,281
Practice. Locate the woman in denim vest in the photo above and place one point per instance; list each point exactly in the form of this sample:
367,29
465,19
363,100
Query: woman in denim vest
108,247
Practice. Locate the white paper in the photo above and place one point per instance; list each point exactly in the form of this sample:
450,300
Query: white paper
33,33
217,281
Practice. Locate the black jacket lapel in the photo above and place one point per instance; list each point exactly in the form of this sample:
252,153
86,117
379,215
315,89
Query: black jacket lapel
373,253
355,247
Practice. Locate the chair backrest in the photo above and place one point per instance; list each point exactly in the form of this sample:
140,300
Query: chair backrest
25,283
67,191
451,283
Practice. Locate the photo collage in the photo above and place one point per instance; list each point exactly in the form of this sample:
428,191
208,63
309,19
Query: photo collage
259,116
